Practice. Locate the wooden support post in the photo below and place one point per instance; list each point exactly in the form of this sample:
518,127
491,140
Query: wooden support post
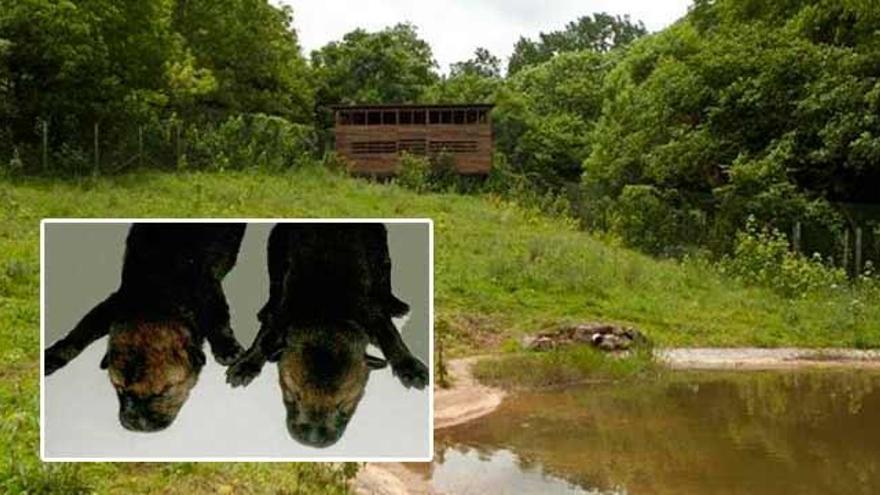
796,237
846,251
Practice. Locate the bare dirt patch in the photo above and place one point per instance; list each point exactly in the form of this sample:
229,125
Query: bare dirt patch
767,359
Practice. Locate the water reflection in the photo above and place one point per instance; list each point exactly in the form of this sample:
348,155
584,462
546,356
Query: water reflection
797,432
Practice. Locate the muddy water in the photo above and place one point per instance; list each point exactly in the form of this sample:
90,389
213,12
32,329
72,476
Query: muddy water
720,432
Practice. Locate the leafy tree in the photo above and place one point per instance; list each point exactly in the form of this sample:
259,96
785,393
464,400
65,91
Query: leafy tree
545,114
250,50
475,80
72,64
390,66
483,64
747,108
600,33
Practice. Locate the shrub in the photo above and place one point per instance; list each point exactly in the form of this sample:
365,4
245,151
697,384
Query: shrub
250,141
643,219
762,257
434,174
14,165
414,172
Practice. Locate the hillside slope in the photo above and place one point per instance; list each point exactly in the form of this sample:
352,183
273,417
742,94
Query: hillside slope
500,270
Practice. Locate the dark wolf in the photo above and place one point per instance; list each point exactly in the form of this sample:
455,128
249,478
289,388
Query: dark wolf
329,296
169,301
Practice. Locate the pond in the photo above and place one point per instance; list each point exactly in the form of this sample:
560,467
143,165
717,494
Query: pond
721,432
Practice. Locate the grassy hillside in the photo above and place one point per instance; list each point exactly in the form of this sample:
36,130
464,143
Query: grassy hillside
500,270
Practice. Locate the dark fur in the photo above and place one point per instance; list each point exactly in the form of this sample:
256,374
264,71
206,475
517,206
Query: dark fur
330,295
169,301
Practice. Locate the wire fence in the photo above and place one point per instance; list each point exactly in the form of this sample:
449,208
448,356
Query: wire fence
98,149
250,140
851,243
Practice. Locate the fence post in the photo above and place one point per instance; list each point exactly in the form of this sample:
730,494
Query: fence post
45,146
796,236
140,146
846,250
858,267
97,151
177,144
441,365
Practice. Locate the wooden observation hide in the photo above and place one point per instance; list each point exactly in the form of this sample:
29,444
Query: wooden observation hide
372,137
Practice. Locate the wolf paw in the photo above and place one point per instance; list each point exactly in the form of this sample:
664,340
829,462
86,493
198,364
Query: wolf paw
227,354
243,371
411,372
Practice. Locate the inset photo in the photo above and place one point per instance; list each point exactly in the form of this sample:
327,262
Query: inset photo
237,340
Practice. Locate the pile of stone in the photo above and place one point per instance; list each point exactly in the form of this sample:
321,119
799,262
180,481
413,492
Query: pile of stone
600,335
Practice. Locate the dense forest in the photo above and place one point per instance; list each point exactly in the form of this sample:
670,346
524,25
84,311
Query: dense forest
670,140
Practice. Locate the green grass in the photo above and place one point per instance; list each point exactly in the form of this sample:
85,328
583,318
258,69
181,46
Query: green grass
561,367
500,270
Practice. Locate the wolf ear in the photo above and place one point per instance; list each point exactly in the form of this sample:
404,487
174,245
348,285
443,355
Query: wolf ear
375,363
196,357
105,361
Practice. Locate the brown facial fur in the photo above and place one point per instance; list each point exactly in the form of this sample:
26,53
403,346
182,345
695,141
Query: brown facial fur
318,413
294,384
149,362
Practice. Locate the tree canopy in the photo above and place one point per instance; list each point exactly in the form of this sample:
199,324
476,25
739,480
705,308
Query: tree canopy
393,65
73,64
598,33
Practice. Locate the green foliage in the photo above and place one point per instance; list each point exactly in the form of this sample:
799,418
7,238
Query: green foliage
414,172
599,33
763,257
126,65
472,81
251,49
434,174
565,366
544,115
250,141
483,64
393,65
746,108
389,66
641,219
73,64
503,180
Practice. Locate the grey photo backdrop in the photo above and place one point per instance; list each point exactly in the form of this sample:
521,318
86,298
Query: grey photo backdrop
82,266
